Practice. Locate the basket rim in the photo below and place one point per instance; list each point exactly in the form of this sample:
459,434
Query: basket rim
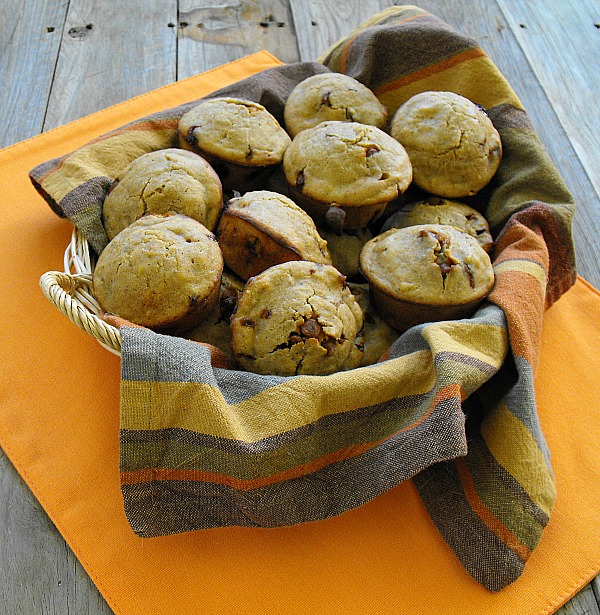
71,291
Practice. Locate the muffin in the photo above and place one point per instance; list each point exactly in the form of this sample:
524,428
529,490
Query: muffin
344,173
426,273
453,145
161,272
161,182
214,328
263,228
377,335
331,96
435,210
240,138
296,318
345,249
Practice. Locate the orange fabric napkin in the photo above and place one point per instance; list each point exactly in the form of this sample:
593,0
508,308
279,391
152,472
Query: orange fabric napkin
59,425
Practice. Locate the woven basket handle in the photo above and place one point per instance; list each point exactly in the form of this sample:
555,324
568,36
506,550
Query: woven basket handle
72,295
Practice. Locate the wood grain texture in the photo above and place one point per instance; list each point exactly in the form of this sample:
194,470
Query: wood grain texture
212,32
138,45
110,52
320,24
38,572
30,35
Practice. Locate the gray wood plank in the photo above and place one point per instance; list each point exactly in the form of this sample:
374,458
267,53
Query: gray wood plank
561,41
110,52
583,603
30,35
38,573
212,32
320,24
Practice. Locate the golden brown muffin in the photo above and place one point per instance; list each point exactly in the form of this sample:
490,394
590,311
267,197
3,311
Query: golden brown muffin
162,182
331,96
426,273
214,328
240,138
453,145
344,173
161,272
263,228
377,335
345,249
296,318
435,210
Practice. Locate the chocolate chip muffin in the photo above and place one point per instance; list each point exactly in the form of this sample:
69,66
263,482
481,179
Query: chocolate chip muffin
214,328
296,318
435,210
344,173
331,96
161,272
264,228
377,335
240,138
161,182
453,145
345,249
426,273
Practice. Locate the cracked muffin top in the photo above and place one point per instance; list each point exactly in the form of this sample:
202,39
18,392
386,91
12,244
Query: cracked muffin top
297,318
234,130
430,264
453,145
161,182
264,228
162,272
347,163
331,96
435,210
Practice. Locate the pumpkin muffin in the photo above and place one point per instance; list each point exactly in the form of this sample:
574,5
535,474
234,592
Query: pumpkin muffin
436,210
263,228
344,173
331,96
161,272
296,318
453,145
214,328
377,335
240,138
426,273
345,249
161,182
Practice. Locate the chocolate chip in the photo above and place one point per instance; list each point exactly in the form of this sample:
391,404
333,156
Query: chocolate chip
266,313
325,99
311,328
329,345
247,322
300,180
191,137
372,149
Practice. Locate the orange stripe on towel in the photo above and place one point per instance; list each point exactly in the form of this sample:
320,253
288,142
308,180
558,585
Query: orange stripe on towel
241,484
491,521
433,69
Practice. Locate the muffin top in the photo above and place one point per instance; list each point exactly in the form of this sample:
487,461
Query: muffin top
347,163
331,96
296,318
235,130
275,227
159,271
453,145
431,264
161,182
436,210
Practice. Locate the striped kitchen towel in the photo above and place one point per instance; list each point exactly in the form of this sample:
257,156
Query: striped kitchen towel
451,404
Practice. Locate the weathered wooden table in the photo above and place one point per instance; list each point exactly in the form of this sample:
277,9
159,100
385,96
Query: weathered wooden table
62,59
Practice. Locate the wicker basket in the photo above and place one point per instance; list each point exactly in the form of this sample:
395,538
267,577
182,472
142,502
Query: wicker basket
71,292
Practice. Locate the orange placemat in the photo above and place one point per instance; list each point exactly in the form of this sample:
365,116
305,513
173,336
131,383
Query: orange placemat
59,425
